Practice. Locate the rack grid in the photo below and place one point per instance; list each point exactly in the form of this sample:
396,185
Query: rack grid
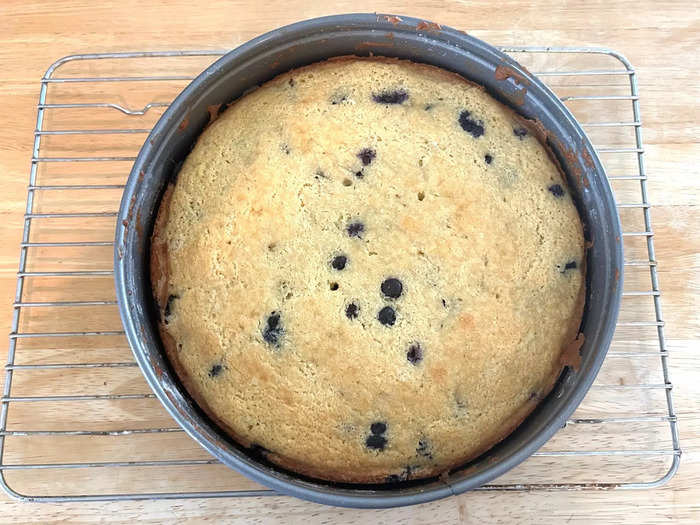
78,422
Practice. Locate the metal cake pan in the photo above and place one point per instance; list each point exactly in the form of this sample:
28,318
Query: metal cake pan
362,34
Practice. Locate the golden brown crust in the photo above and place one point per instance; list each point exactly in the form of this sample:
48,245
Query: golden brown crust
159,266
159,280
435,72
311,466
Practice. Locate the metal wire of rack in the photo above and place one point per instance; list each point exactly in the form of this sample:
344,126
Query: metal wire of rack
73,398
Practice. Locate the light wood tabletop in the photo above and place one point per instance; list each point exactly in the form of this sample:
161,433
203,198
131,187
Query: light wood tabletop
661,41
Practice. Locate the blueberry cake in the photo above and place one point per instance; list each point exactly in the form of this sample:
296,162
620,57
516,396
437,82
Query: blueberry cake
368,270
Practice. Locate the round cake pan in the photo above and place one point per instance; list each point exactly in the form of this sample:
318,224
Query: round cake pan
363,34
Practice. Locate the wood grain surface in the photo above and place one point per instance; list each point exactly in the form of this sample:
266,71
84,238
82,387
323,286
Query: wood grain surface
659,39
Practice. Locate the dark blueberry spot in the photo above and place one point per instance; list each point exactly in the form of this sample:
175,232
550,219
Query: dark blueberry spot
398,96
428,107
339,262
488,158
338,98
571,265
215,370
355,229
521,133
291,82
273,321
424,449
556,190
273,329
334,286
414,354
359,174
444,303
533,395
285,148
402,476
367,155
387,316
392,287
376,442
169,307
377,428
319,174
352,311
474,127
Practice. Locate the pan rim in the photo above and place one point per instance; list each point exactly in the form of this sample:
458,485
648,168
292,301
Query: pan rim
131,313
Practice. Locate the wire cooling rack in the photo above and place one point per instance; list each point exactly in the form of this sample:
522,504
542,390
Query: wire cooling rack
78,422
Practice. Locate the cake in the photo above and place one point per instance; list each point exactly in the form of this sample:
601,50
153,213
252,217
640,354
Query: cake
368,270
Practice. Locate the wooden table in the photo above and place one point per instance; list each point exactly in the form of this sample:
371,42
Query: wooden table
660,40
